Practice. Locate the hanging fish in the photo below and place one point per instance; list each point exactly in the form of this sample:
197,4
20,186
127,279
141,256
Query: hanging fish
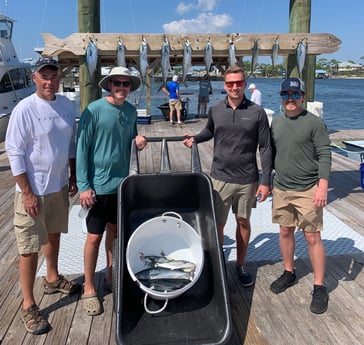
232,58
254,57
166,65
91,58
120,54
208,56
301,56
143,59
187,59
275,51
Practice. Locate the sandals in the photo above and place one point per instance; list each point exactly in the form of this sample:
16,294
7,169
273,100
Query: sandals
61,285
33,320
91,304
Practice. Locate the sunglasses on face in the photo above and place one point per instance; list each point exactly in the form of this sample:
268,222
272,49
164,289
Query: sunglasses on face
121,83
238,83
286,95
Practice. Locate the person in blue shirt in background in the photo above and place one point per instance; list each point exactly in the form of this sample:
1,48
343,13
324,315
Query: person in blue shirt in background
172,91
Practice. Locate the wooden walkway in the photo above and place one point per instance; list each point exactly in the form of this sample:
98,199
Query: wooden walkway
258,316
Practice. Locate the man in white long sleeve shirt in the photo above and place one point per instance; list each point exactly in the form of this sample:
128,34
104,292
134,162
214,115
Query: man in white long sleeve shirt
40,143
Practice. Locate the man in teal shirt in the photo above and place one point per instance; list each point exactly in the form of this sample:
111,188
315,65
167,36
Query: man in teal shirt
105,132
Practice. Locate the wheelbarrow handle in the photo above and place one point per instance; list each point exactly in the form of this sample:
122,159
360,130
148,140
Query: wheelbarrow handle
165,162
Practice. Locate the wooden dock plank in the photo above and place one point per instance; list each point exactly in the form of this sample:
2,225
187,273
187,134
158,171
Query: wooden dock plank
259,317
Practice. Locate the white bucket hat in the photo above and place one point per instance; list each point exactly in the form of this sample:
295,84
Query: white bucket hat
121,72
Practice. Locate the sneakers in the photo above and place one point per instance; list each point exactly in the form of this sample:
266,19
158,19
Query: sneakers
320,299
244,277
286,280
33,320
61,285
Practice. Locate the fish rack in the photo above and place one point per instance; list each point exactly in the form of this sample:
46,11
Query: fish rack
69,49
201,315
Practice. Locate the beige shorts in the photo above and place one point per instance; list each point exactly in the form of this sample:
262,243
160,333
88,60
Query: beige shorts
32,233
175,104
241,197
295,208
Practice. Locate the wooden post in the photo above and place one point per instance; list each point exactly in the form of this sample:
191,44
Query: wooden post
88,21
300,21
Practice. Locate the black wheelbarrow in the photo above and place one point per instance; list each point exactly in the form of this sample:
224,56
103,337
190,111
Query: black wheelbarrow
165,111
200,315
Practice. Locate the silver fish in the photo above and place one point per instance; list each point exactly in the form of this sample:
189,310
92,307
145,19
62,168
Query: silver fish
163,273
143,59
301,56
275,51
187,59
208,56
185,266
173,264
232,58
120,54
153,259
166,65
91,58
254,57
165,285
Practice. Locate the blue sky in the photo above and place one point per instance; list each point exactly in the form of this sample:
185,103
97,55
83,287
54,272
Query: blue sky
60,18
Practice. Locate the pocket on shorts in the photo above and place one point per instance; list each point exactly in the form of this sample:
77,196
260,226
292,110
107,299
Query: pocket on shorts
23,220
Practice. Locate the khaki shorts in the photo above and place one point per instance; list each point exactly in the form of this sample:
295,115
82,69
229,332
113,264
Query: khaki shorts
175,104
31,234
295,208
241,197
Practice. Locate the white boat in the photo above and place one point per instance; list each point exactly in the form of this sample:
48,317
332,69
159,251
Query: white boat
355,149
15,76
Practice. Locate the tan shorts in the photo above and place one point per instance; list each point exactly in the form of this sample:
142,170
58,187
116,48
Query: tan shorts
175,104
295,208
31,234
241,197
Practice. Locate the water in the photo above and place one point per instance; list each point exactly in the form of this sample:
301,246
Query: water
343,99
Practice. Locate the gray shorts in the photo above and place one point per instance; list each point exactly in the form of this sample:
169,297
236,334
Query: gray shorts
32,233
241,197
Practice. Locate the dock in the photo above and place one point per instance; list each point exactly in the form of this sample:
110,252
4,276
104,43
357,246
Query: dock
259,317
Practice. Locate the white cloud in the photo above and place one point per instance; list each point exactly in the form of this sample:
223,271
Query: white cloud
204,23
206,5
201,5
183,8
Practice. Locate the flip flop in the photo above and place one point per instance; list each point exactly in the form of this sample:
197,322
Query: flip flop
91,304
